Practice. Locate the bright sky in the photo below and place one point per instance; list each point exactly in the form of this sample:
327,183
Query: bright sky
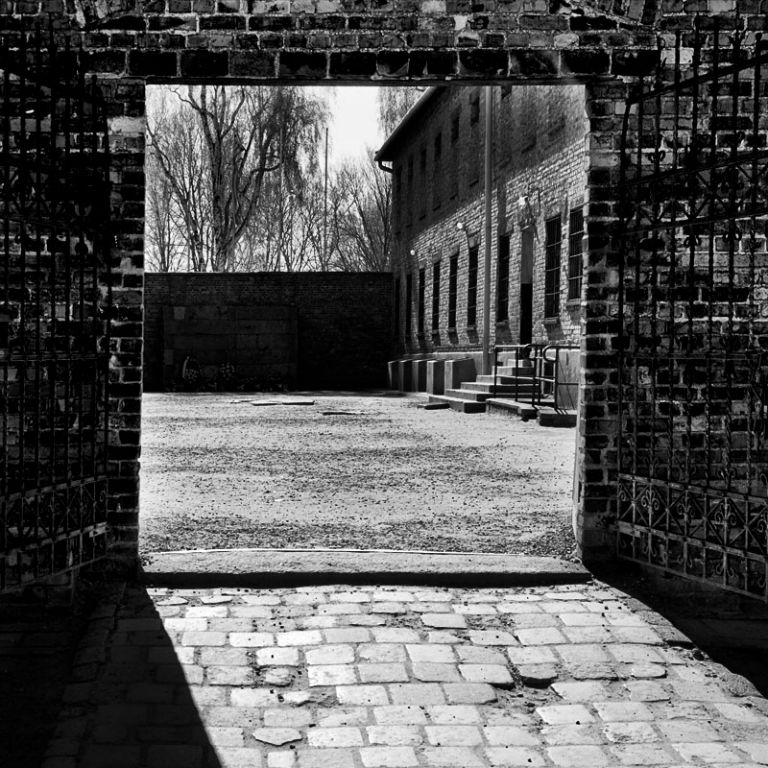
354,121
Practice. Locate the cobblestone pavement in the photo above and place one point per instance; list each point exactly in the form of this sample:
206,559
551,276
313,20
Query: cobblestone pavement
394,677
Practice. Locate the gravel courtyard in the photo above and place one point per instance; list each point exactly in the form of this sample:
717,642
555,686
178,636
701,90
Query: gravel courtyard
351,470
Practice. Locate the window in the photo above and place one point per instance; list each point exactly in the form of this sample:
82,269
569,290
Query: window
474,108
397,307
575,251
435,296
437,175
420,311
423,183
472,288
455,128
408,304
454,175
552,267
506,90
453,281
502,280
397,201
409,192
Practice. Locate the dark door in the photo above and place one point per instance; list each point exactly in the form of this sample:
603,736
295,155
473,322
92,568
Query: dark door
526,287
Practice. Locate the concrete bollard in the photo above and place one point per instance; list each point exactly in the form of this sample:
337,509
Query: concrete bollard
435,377
419,375
459,371
404,378
393,374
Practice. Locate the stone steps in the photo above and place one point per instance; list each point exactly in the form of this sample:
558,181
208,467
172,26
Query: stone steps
461,404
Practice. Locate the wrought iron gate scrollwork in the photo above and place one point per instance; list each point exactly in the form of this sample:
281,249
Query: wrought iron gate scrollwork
693,385
54,311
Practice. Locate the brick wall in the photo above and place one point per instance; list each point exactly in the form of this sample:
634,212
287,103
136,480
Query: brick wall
539,152
340,326
604,44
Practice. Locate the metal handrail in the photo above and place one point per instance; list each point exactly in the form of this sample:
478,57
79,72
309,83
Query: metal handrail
540,355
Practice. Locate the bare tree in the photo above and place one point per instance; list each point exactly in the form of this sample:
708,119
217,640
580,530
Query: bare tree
394,103
163,245
224,152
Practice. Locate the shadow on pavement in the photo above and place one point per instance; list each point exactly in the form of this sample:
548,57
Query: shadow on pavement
731,629
134,701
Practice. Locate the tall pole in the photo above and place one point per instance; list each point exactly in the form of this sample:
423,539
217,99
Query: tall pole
325,206
488,229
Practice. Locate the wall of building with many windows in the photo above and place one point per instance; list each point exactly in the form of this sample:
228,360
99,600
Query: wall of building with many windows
537,208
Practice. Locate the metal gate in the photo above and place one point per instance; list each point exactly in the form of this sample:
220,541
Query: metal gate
54,280
693,387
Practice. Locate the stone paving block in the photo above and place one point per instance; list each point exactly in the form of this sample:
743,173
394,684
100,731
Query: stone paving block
281,760
427,672
277,657
299,637
514,756
469,693
395,735
485,673
613,711
518,607
254,697
571,734
341,716
532,655
588,634
687,731
326,758
582,654
389,608
421,607
278,736
235,757
565,714
388,757
447,757
244,717
588,756
403,714
382,673
338,609
347,635
474,654
628,733
460,714
431,652
643,690
442,637
221,675
331,674
444,620
335,737
330,654
643,754
510,735
492,637
632,653
293,717
633,634
707,752
740,713
251,639
203,638
382,653
225,736
416,693
454,735
367,620
540,636
395,635
478,609
393,596
362,695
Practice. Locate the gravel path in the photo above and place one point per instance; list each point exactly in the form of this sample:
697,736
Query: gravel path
351,470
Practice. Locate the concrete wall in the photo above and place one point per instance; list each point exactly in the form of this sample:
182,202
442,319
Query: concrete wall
304,329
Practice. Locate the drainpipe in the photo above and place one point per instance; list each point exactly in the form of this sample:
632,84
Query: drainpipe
487,238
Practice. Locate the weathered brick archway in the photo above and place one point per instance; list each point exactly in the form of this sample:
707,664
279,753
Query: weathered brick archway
604,44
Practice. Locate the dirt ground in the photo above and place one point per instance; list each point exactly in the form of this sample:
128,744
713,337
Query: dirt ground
360,471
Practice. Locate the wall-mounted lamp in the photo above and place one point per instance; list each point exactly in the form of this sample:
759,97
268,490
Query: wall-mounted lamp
529,207
460,226
412,251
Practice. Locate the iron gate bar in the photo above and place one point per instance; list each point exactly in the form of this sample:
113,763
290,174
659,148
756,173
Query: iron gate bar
693,374
54,319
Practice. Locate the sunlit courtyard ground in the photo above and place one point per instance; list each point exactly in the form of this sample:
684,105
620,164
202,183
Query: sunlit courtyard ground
351,470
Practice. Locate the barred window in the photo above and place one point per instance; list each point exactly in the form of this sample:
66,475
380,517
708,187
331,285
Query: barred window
420,311
575,252
472,287
397,307
408,304
435,296
502,280
552,267
437,171
453,282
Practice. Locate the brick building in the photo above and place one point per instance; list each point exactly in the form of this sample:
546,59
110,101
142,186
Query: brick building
538,184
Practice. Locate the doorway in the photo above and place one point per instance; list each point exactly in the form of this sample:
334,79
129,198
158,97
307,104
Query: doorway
526,285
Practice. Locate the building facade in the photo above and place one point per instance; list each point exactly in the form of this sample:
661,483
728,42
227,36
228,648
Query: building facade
537,189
